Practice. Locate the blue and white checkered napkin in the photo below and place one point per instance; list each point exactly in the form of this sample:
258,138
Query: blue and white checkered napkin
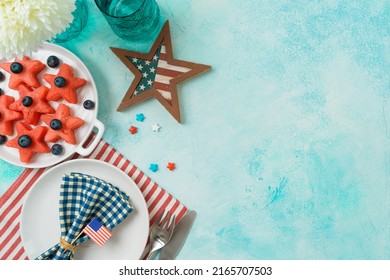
82,198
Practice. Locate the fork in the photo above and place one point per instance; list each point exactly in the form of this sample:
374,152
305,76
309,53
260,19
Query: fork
161,232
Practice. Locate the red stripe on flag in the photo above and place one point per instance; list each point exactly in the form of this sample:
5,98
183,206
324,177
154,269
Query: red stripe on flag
163,56
162,86
99,236
92,234
169,72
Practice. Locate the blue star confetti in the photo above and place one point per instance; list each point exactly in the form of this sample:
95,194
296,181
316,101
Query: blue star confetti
140,117
153,167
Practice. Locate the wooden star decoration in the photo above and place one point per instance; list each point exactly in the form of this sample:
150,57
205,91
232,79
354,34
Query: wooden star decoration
157,74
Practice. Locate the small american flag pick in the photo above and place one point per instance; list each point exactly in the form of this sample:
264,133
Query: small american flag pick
97,232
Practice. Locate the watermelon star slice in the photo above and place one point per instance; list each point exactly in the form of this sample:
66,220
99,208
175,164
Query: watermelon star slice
28,76
37,136
7,116
38,107
68,125
67,91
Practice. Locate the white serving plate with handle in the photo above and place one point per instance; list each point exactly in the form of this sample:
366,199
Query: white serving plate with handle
87,92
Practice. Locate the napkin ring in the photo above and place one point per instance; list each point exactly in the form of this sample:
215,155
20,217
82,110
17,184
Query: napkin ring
68,246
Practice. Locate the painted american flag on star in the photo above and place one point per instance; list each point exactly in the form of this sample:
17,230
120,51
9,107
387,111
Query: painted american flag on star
157,73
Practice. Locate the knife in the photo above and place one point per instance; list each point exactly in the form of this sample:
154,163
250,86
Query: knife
182,229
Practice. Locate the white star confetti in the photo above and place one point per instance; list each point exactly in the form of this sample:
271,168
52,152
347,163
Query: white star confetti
155,127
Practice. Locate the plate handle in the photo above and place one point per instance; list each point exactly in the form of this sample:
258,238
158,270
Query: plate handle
88,150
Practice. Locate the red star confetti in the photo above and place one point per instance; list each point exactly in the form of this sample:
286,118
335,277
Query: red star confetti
171,166
133,129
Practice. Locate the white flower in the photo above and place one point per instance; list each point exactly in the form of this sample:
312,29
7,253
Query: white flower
25,24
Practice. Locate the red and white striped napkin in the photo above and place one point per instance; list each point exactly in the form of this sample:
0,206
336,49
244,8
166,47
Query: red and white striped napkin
11,202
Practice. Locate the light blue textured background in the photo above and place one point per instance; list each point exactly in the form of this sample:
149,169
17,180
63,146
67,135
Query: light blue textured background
284,147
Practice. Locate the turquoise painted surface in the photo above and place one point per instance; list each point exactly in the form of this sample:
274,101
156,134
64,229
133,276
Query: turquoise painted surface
284,147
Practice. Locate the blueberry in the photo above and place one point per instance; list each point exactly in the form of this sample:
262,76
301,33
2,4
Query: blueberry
24,141
27,101
56,149
89,104
16,67
56,124
53,61
1,76
60,82
3,139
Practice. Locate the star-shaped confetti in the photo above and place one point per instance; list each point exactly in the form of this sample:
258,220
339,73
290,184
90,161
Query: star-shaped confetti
133,129
64,84
157,74
140,117
32,141
32,103
171,166
25,73
155,127
153,167
66,125
7,116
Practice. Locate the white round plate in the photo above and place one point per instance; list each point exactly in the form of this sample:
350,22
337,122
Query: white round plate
88,91
40,224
